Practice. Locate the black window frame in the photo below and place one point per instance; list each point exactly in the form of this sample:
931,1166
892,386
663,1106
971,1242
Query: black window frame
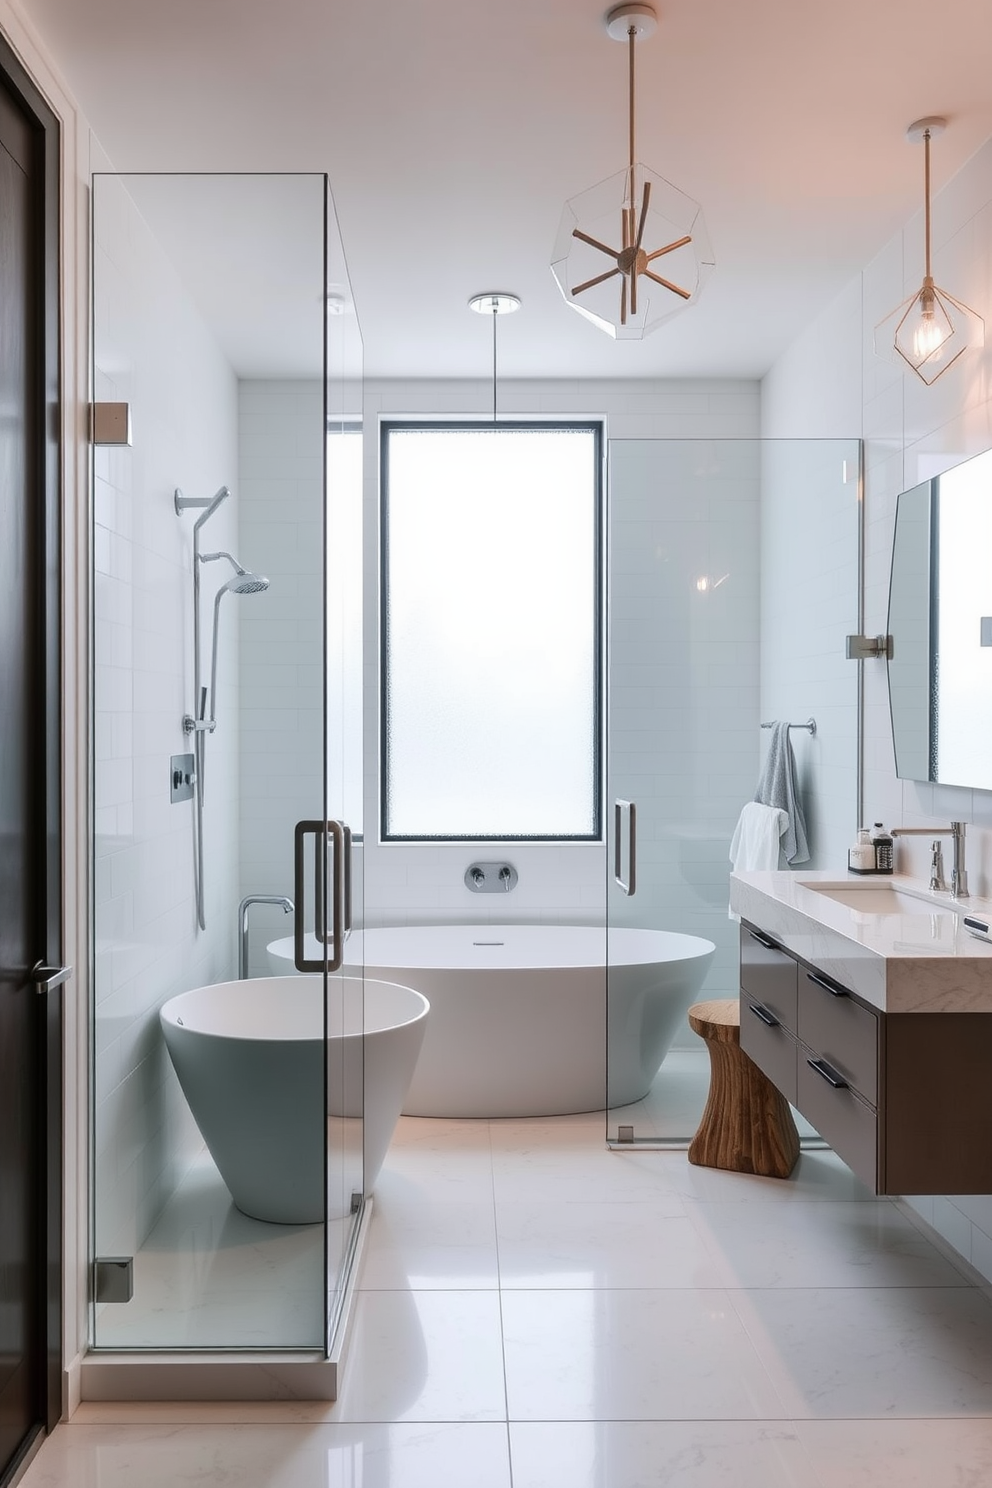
561,425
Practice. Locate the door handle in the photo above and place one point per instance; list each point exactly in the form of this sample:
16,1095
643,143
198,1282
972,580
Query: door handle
47,978
321,831
629,885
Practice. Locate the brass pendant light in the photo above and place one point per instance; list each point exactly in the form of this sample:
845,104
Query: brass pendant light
930,330
627,297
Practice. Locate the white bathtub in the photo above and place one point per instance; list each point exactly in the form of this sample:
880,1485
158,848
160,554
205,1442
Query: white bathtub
519,1012
251,1059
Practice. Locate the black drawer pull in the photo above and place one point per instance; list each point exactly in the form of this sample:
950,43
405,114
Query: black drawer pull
830,987
763,940
828,1073
766,1017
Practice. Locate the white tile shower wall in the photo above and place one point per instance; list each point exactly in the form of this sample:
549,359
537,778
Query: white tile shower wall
153,352
809,603
409,884
830,382
282,651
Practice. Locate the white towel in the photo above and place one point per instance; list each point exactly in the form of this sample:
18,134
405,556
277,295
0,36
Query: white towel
756,840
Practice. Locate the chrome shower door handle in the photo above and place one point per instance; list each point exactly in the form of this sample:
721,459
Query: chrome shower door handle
628,884
321,831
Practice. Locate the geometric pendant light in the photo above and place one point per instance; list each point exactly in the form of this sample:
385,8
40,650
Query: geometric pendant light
930,330
632,251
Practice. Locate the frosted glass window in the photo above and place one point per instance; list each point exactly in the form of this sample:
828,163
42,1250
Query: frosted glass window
492,615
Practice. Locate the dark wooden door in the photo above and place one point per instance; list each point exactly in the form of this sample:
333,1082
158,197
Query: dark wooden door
29,921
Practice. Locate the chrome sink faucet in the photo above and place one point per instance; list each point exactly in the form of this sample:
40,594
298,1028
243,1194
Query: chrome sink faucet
959,875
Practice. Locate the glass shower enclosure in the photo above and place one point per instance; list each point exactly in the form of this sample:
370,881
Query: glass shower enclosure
227,1166
695,641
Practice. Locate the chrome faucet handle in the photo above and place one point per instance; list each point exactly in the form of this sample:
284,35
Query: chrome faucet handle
938,884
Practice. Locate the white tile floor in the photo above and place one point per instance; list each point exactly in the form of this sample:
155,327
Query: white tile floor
539,1312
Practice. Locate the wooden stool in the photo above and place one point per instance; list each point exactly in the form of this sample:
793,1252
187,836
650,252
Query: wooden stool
747,1125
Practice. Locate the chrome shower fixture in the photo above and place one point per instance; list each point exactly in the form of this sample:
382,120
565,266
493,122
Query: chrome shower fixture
242,581
200,723
208,504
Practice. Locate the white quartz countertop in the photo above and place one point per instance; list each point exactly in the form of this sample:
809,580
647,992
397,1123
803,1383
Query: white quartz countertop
922,960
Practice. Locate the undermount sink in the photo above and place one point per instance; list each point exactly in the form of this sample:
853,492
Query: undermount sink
880,899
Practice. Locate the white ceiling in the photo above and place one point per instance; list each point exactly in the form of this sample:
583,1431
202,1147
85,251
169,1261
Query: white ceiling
453,134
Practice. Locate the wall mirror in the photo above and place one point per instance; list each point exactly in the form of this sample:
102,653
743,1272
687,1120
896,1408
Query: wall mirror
940,621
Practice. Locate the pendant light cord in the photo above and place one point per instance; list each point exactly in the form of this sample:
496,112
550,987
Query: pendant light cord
926,194
495,313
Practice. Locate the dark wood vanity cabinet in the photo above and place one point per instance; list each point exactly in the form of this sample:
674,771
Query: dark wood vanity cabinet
904,1098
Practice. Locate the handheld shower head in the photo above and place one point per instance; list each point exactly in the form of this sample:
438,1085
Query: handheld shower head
243,581
247,583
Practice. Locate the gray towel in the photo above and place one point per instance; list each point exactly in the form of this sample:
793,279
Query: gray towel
777,787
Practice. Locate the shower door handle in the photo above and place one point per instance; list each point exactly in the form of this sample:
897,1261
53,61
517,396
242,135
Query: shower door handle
321,831
628,884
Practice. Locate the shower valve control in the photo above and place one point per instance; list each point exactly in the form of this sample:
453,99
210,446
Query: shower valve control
490,878
182,777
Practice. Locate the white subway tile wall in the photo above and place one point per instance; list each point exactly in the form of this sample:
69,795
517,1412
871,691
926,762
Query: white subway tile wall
152,351
280,453
830,383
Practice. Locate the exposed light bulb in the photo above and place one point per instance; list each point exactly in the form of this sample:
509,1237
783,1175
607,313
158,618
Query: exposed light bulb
929,333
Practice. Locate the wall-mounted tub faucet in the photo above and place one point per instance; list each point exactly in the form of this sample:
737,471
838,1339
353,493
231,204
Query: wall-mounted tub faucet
490,878
243,907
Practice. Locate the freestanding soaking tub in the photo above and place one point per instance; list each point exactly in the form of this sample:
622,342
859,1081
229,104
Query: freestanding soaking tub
518,1023
251,1057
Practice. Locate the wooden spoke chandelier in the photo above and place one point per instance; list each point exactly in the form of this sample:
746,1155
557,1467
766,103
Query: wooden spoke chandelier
627,296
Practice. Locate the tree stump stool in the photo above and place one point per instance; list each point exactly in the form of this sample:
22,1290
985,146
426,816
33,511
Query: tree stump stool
747,1124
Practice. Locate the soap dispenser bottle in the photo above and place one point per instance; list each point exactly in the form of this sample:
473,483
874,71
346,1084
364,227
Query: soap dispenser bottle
882,843
861,857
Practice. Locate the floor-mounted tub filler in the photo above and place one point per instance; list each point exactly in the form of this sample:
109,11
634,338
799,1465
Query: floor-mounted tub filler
251,1059
519,1012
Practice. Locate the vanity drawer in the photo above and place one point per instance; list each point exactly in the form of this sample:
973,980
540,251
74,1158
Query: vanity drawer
769,1045
841,1030
769,975
844,1122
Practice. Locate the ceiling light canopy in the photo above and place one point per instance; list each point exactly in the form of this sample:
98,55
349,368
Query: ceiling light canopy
632,251
494,303
931,329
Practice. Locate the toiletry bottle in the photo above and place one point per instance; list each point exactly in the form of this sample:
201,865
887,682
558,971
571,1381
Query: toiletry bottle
882,843
861,857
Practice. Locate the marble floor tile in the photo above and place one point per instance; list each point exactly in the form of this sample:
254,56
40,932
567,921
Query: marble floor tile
899,1454
842,1244
208,1275
658,1454
631,1355
424,1356
274,1456
882,1352
443,1160
564,1174
818,1175
544,1245
425,1244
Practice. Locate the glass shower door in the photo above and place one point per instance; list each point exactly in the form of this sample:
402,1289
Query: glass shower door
695,651
214,323
344,892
